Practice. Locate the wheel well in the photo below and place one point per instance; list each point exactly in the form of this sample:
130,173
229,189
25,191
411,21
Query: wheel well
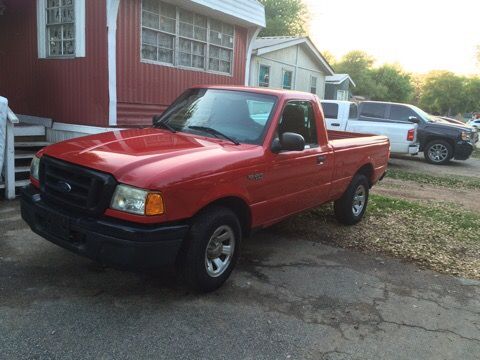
433,138
239,207
366,170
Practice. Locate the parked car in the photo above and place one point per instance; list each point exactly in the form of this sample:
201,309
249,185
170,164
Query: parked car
474,123
344,116
187,190
439,140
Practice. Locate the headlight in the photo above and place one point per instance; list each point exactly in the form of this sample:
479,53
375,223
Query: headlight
35,167
137,201
465,136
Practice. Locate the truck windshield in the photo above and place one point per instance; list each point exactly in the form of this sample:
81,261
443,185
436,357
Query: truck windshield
240,116
428,117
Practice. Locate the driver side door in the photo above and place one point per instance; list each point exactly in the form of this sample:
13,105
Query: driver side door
298,180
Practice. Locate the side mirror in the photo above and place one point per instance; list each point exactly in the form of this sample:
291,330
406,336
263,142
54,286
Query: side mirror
414,119
289,142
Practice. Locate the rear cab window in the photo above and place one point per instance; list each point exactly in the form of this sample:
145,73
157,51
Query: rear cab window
372,111
330,110
353,112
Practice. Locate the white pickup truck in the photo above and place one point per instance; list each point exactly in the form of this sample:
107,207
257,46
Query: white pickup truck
348,116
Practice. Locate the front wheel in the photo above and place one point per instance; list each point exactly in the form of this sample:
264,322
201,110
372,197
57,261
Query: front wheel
211,249
438,152
350,208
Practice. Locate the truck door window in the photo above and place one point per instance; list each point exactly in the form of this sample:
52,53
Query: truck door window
353,113
401,113
372,110
298,117
330,110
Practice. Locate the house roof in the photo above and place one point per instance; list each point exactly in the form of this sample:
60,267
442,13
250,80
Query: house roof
339,78
263,45
245,12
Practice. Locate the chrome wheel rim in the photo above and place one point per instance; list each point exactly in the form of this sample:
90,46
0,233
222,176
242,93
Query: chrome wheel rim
219,252
438,152
359,200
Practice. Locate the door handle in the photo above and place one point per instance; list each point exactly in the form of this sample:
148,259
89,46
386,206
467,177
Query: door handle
321,159
335,124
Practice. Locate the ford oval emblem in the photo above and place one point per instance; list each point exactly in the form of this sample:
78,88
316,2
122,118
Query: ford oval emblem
64,187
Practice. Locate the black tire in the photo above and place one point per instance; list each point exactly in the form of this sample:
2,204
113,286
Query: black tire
192,261
438,152
344,207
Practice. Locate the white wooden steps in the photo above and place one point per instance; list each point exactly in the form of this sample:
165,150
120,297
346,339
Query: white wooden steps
28,137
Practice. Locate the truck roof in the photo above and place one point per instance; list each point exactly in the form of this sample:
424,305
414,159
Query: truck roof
260,90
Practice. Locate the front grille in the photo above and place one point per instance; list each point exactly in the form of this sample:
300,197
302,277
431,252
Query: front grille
75,187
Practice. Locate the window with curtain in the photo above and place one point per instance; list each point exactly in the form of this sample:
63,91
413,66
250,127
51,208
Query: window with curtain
178,37
264,76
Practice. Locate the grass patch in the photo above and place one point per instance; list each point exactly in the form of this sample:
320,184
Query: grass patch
454,217
451,181
436,236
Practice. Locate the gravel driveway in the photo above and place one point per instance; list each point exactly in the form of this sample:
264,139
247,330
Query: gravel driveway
289,298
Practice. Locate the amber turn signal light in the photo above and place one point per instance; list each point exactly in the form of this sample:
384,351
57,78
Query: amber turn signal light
154,204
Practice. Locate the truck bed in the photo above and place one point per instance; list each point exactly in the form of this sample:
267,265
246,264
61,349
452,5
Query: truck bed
343,139
349,149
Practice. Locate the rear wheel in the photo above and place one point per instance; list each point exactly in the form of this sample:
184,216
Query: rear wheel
211,249
350,208
438,152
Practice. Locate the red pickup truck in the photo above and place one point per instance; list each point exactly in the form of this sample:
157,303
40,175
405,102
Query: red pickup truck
217,164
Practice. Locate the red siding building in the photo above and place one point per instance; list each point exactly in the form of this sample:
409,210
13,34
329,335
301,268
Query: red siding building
94,64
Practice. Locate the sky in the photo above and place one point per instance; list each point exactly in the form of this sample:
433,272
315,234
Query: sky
420,35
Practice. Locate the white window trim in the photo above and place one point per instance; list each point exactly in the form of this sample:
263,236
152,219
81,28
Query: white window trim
79,31
316,84
344,94
258,75
284,71
112,15
176,50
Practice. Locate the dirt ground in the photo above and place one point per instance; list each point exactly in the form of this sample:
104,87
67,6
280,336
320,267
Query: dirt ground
409,190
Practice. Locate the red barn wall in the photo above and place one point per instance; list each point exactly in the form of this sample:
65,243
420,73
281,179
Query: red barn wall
66,90
147,89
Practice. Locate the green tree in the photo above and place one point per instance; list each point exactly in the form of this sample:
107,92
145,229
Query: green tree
284,17
392,84
417,81
358,64
472,95
329,57
443,93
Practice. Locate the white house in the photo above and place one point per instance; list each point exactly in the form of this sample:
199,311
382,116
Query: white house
287,62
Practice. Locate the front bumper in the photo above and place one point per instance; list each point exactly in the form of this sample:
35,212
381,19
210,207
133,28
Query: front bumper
463,150
108,241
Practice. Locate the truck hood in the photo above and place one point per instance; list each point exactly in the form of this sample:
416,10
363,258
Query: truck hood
450,126
141,156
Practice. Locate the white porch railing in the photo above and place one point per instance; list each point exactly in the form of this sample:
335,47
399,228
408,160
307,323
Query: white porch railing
9,154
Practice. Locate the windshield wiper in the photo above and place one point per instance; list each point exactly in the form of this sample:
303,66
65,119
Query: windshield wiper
164,125
214,132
